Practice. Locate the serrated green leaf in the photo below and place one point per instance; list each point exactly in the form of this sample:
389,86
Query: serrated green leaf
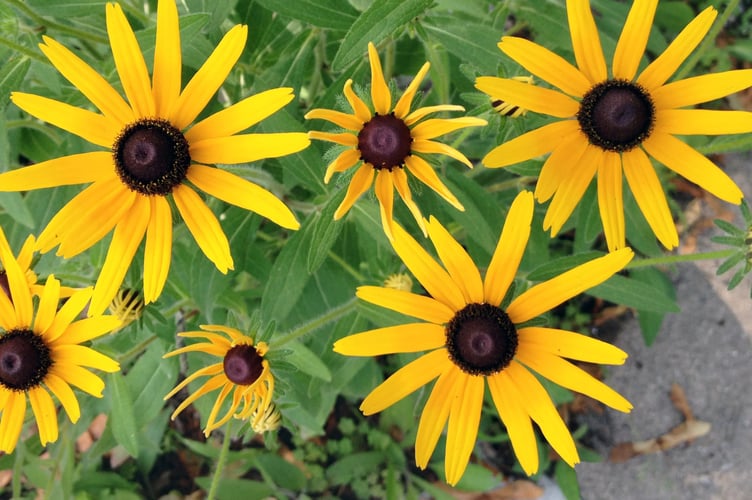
632,293
122,419
728,227
729,263
307,361
325,233
332,14
379,21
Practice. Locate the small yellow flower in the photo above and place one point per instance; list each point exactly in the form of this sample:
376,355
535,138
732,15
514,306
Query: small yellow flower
127,306
243,372
40,353
152,153
471,341
400,281
385,142
608,126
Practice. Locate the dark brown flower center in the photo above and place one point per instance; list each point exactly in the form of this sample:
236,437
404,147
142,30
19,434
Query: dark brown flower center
384,142
481,339
243,364
24,360
616,115
151,156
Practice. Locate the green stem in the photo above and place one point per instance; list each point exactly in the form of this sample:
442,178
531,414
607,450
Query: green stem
346,266
221,461
306,328
22,50
84,35
709,40
674,259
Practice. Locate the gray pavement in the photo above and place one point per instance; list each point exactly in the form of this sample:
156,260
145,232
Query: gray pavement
707,349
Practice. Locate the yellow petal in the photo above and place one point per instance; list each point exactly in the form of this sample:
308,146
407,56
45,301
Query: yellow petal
405,381
546,65
356,103
464,420
412,337
90,83
436,413
427,175
208,78
399,177
508,402
158,250
125,241
435,127
703,121
65,316
700,89
345,160
64,171
611,200
87,329
12,421
65,395
586,42
167,59
44,414
385,194
510,248
214,369
19,289
429,273
79,377
633,39
346,139
649,195
248,147
380,95
687,162
93,127
240,115
427,110
562,164
47,305
129,62
212,384
402,108
417,306
344,120
570,345
539,406
210,421
425,146
242,193
537,99
458,263
359,184
571,189
549,294
531,144
84,356
567,375
678,50
204,227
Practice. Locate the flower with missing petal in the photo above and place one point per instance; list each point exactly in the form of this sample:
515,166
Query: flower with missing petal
610,125
41,353
153,153
243,371
472,341
384,143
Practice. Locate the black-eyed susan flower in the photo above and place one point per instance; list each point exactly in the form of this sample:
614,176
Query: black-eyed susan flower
509,109
242,372
153,153
384,143
472,341
24,258
41,353
610,125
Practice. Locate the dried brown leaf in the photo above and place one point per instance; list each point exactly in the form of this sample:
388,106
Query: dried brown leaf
512,490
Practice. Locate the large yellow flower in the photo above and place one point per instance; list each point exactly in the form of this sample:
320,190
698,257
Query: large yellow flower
384,143
152,152
610,124
471,340
40,352
243,372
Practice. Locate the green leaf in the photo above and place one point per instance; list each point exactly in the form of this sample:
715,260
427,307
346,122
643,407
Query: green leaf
231,489
566,478
281,472
150,378
636,294
651,321
325,233
14,71
15,206
333,14
307,361
353,466
379,21
122,419
557,266
477,478
469,42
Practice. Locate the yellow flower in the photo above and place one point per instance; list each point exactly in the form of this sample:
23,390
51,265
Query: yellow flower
614,124
510,109
127,306
153,151
472,340
384,143
40,353
243,372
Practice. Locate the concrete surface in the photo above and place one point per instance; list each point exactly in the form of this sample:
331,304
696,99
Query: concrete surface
707,349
